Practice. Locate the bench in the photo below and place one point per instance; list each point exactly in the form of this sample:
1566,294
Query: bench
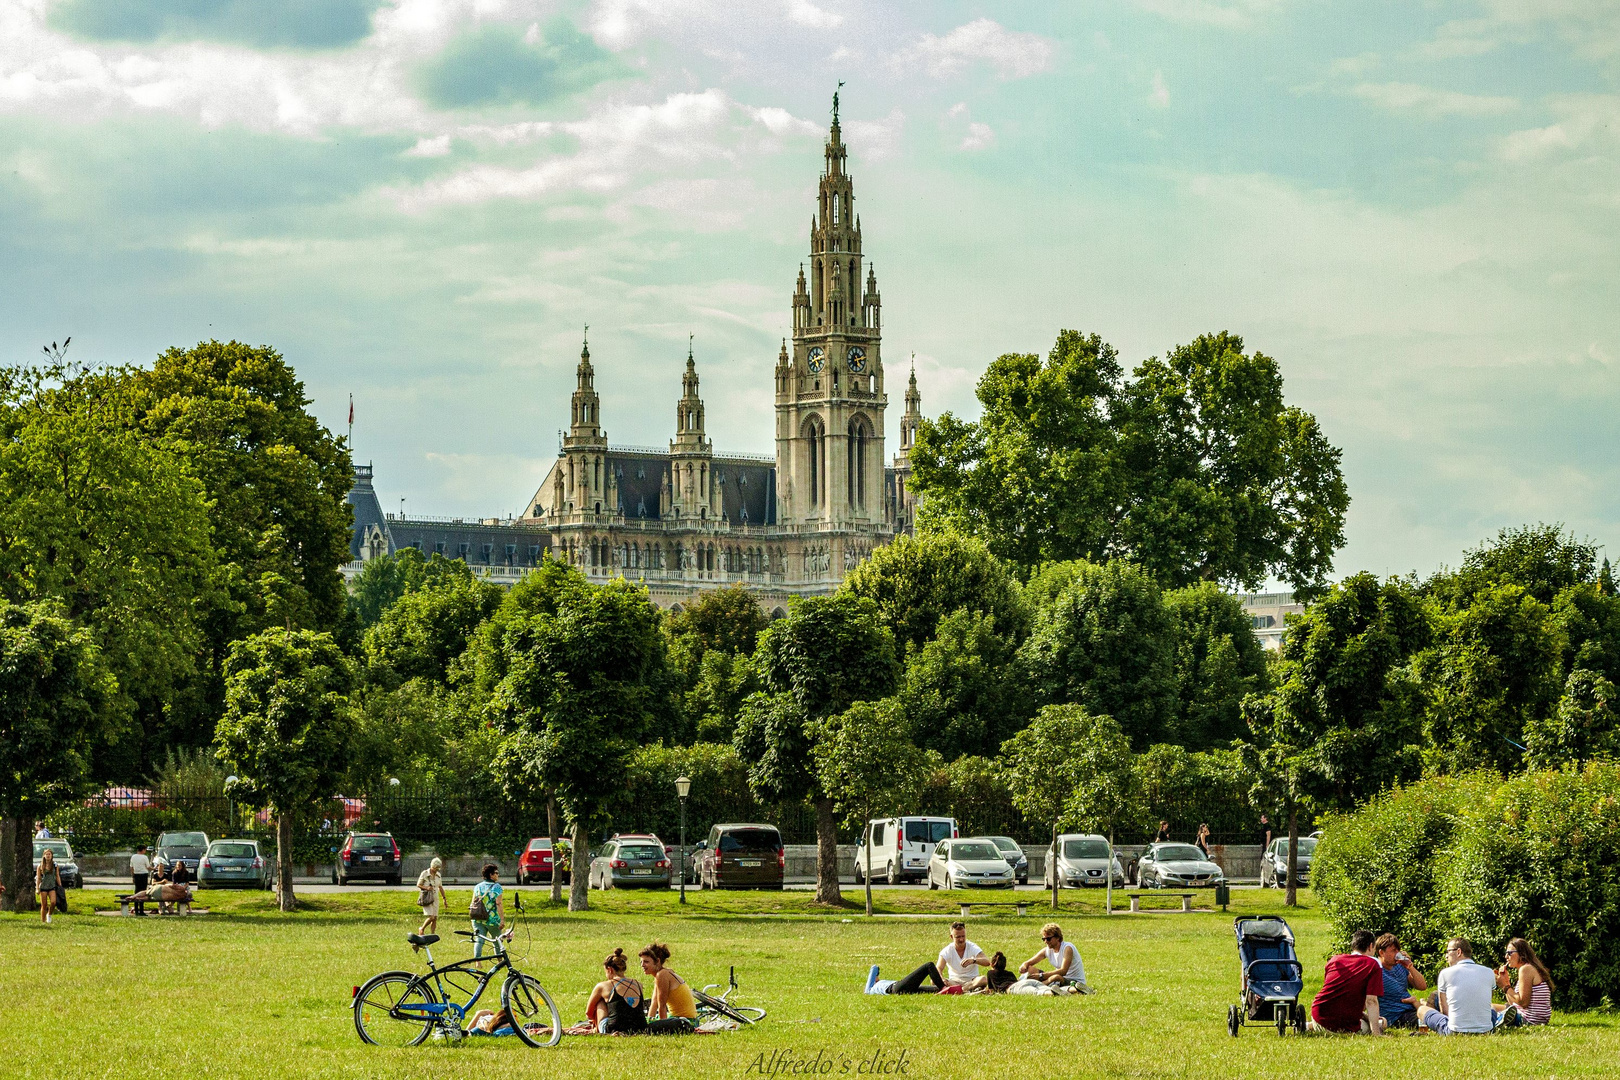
1021,905
1136,900
182,906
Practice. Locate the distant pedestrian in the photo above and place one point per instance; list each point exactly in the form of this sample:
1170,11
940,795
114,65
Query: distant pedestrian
1203,839
1163,834
44,832
429,891
1265,832
47,880
140,872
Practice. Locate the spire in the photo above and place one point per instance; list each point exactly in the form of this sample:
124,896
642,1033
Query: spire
689,410
586,406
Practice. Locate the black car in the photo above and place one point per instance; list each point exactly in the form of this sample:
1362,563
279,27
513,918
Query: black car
62,855
363,856
186,847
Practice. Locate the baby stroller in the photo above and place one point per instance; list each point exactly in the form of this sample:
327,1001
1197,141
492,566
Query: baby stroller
1273,977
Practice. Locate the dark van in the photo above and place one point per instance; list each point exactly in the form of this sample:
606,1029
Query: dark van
741,856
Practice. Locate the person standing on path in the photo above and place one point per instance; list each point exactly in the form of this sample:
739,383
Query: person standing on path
1265,833
47,879
1203,839
140,873
429,892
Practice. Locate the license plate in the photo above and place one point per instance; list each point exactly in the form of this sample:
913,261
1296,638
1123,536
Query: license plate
748,862
231,869
371,858
641,871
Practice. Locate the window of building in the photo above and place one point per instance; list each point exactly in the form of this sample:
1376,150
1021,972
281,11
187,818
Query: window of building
461,551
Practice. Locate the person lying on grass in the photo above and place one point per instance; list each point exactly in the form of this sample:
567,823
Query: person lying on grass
617,1003
672,1008
950,969
1062,955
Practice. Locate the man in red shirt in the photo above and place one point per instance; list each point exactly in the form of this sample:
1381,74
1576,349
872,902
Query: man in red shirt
1348,1000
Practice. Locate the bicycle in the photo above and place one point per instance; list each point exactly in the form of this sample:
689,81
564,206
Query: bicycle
712,1005
400,1008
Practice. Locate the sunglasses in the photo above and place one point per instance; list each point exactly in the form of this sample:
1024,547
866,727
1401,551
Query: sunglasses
1513,952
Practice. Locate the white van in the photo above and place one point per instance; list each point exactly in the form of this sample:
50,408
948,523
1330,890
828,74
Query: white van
901,847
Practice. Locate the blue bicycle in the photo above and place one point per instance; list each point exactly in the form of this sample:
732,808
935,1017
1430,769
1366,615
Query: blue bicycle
401,1008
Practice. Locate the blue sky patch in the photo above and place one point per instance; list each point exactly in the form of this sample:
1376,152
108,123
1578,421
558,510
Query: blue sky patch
303,24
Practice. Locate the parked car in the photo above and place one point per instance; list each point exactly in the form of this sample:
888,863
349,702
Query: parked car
233,864
186,847
367,855
1013,853
1082,860
969,864
635,860
534,861
741,856
62,854
901,847
1176,866
1274,863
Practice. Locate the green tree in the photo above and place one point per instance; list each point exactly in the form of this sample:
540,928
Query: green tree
972,790
287,729
715,699
1228,482
1585,727
1195,468
962,692
828,653
868,767
57,700
711,643
918,582
1073,769
1037,477
1107,641
583,683
427,630
111,524
383,581
1218,663
1543,560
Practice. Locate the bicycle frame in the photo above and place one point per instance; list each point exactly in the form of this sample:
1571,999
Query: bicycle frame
437,1011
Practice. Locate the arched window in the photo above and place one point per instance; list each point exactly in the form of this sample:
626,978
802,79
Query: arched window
816,443
858,436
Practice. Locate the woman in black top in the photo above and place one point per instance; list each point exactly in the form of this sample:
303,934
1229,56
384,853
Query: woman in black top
617,1003
1203,839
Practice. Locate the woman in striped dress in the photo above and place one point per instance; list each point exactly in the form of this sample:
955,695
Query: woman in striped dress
1531,999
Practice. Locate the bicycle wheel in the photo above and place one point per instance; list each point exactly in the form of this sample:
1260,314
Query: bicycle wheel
753,1013
374,1006
527,1002
741,1014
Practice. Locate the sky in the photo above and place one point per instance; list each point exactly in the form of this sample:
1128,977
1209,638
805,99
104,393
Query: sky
1413,206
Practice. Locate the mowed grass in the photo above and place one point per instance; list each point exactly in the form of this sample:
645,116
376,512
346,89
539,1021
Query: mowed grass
249,992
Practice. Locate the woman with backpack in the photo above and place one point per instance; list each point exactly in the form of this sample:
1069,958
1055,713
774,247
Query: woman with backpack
488,912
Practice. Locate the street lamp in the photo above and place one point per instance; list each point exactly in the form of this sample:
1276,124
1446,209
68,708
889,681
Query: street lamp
683,785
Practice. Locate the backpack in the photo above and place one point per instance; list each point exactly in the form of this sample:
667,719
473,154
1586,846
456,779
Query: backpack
476,911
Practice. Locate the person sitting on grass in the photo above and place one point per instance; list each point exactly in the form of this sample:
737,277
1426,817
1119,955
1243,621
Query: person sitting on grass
1062,955
672,1007
994,981
1396,1004
1462,1001
617,1003
1351,987
1530,1002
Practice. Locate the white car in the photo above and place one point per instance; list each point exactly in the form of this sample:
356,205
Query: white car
901,847
1177,866
1274,863
1082,860
969,864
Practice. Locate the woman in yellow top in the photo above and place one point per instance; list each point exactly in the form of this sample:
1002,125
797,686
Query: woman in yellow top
671,1010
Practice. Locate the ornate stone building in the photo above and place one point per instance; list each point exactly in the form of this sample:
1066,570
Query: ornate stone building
691,518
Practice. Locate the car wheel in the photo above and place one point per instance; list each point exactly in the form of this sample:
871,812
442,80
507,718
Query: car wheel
339,880
932,886
893,875
859,880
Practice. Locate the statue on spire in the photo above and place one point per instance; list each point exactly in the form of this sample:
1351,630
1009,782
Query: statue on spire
835,101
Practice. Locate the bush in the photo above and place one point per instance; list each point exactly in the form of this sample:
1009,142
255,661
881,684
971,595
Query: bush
1536,856
1203,787
972,790
1379,868
720,792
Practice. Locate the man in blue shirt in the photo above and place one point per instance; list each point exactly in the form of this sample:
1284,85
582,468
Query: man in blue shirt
1396,1004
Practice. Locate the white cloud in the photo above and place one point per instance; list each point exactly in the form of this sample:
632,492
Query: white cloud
978,137
1590,27
1228,13
1159,97
957,111
437,146
1014,55
618,23
1411,97
877,138
1581,119
805,13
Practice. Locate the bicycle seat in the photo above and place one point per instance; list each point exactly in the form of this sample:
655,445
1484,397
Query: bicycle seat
464,933
422,939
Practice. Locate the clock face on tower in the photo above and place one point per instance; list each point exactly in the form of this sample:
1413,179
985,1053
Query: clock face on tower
818,359
857,359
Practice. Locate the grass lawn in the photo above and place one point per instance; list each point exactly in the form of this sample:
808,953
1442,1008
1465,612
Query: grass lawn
246,991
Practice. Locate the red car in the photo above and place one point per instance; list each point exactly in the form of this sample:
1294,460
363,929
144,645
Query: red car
534,864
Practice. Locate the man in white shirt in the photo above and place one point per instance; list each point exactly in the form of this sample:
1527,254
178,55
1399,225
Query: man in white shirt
1464,995
1062,955
140,870
961,954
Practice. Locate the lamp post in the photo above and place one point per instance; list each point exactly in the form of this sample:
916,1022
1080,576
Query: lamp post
683,785
230,782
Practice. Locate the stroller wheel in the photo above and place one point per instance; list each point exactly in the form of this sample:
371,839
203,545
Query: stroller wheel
1299,1018
1232,1020
1282,1020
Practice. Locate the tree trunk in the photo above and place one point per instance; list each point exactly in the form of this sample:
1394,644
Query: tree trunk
579,895
1108,891
284,861
556,862
827,891
1293,854
17,865
867,847
1052,864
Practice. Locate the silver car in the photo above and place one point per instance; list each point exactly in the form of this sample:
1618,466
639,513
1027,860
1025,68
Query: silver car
1013,853
1082,860
1274,863
969,864
1177,866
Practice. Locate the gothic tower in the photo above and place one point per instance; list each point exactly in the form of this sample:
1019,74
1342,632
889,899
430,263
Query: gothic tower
829,392
587,488
691,453
905,503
